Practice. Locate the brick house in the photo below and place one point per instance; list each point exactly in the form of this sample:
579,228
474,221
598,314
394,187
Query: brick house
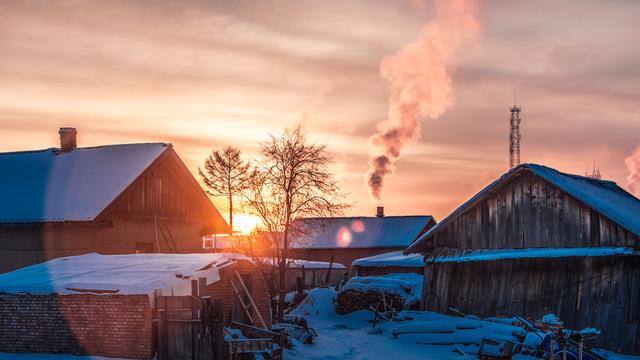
346,239
104,305
113,199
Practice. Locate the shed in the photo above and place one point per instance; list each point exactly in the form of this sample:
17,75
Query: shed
388,263
112,199
537,240
105,305
345,239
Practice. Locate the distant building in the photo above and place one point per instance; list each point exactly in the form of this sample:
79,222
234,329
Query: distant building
114,199
388,263
539,241
107,305
348,238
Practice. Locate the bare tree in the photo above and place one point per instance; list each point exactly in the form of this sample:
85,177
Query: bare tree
226,174
292,181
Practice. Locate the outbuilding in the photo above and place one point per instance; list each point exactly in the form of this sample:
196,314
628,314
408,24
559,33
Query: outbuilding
345,239
112,199
539,241
388,263
106,305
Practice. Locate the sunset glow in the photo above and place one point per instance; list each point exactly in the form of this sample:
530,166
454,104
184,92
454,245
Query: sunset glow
203,76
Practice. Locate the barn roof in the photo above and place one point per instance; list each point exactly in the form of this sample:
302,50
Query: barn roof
360,232
134,274
52,186
603,196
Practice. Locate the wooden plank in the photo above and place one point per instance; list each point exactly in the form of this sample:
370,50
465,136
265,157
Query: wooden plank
527,212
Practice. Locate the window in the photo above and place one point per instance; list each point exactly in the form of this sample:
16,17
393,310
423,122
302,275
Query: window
144,248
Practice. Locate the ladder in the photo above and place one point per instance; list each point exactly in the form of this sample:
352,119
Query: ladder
240,289
166,236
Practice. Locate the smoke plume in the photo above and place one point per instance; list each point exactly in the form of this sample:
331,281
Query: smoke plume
420,84
633,167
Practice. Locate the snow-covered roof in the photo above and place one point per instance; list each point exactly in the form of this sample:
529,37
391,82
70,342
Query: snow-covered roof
603,196
169,274
531,253
308,264
50,186
394,258
359,232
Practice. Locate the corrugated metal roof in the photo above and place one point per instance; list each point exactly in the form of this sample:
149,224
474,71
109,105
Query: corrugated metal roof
359,232
53,186
604,196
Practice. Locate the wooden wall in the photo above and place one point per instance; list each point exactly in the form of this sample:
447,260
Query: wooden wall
600,292
529,212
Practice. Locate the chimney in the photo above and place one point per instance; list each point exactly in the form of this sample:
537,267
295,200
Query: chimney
67,139
380,211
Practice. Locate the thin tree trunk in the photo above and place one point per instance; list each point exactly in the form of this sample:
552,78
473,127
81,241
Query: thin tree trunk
282,271
230,213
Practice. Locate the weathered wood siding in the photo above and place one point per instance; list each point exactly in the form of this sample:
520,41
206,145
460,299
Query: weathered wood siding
600,292
529,212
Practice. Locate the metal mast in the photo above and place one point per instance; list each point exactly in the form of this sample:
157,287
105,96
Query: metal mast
514,136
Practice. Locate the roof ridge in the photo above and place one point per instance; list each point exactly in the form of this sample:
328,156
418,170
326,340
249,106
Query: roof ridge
82,148
362,217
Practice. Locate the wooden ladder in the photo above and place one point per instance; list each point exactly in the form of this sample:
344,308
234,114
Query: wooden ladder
241,289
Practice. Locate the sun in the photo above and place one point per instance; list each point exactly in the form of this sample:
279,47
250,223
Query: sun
245,223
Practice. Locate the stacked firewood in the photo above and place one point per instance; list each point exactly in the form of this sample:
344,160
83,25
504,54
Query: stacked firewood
354,299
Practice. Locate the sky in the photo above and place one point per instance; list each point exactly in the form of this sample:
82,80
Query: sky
206,74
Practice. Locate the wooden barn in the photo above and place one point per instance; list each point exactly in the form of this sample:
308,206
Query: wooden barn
388,263
344,239
121,305
539,241
115,199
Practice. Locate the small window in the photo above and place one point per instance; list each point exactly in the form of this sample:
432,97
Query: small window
144,248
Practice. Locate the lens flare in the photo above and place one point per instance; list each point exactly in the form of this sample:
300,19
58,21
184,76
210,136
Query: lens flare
357,226
344,237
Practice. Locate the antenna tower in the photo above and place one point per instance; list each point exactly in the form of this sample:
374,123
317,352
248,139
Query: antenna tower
514,135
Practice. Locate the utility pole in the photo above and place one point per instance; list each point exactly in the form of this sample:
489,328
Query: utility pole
514,135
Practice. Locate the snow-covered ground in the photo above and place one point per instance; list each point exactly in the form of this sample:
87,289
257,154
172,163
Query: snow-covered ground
427,336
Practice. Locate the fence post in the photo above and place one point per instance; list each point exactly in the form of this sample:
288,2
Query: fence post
219,331
162,335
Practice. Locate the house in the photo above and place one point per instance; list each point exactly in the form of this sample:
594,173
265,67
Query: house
344,239
539,241
388,263
114,199
311,273
107,305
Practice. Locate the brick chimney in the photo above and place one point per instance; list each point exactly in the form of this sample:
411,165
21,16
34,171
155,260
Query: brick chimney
67,139
380,211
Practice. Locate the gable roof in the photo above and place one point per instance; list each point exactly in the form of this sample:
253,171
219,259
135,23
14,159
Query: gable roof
360,232
603,196
53,186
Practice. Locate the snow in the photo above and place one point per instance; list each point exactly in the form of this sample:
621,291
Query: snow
499,254
412,335
394,258
308,264
149,274
46,185
359,232
409,285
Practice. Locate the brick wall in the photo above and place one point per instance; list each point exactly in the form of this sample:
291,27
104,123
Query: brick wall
112,325
224,290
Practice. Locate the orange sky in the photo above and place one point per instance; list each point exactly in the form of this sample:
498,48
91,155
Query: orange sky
203,74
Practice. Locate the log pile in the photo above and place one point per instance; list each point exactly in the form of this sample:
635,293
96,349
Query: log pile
354,299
